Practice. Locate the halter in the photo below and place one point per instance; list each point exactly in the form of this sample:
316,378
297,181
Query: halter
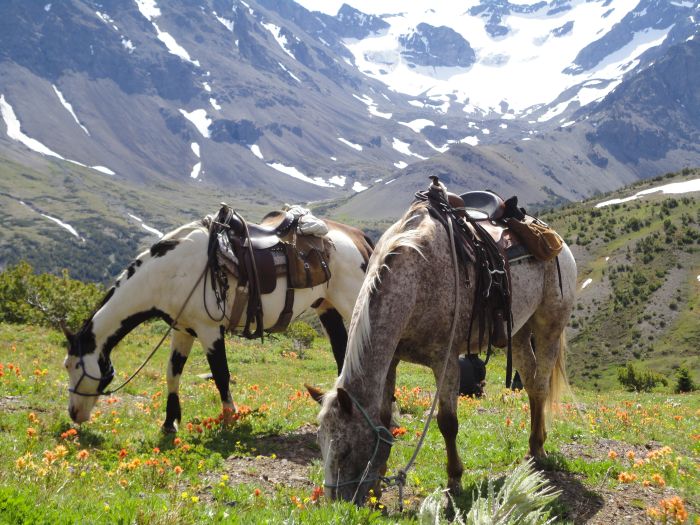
104,380
378,430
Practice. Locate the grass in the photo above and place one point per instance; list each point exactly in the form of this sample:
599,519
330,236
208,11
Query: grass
119,467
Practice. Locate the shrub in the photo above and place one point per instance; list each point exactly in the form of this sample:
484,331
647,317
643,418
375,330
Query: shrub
638,380
301,335
684,383
44,299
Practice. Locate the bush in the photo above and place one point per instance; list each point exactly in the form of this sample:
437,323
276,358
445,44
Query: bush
45,299
684,383
639,380
301,335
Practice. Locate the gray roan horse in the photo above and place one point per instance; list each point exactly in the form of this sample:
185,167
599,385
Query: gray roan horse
157,284
404,312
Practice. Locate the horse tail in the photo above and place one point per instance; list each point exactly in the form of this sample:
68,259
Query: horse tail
558,382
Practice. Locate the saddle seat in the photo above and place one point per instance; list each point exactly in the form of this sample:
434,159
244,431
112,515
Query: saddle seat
266,235
482,205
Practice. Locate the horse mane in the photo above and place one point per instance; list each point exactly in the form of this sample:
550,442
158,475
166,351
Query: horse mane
404,234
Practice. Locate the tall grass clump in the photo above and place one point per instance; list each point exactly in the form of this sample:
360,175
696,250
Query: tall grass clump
521,500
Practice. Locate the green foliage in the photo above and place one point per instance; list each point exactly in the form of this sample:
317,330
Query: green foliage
684,383
521,499
44,299
638,380
302,336
18,507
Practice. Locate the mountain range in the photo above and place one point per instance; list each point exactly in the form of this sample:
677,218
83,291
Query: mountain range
159,110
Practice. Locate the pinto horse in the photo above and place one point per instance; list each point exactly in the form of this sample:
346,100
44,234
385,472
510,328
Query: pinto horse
405,311
165,282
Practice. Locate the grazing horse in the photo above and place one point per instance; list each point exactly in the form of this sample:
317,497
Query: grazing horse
405,312
166,282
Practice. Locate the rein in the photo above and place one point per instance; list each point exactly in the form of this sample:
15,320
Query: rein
104,380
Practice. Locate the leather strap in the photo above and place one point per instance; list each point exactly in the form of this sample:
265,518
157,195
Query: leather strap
240,300
286,313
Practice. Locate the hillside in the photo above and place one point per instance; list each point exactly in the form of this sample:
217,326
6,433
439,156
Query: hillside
639,279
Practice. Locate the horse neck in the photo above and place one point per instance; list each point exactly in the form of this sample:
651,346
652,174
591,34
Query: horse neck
135,299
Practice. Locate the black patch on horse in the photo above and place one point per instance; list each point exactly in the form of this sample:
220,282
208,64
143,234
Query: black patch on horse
130,323
191,332
472,374
162,247
172,412
333,323
216,356
178,362
363,267
83,342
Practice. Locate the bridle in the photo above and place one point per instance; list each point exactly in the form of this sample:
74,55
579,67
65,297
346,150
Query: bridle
381,435
106,377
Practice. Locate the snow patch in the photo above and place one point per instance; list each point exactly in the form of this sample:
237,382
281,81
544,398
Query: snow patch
404,147
441,149
14,130
418,124
338,180
228,24
69,108
256,151
64,225
145,226
276,32
295,173
214,104
195,149
358,187
399,164
149,9
673,188
372,107
206,87
199,118
128,45
351,144
472,140
103,169
289,72
196,169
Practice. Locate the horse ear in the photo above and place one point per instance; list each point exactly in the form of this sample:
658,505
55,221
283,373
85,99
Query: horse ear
66,331
315,393
345,401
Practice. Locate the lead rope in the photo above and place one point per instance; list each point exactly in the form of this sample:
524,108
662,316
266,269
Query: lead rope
170,329
400,478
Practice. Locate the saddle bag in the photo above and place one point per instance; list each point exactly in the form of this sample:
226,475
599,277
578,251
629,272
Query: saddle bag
306,264
542,241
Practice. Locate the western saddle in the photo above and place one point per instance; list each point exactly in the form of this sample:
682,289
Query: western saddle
257,255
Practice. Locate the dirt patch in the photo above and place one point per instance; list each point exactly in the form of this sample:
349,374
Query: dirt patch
286,460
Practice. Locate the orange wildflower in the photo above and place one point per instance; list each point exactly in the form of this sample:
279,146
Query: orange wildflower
83,455
123,453
177,470
31,432
626,477
659,480
612,454
257,492
398,431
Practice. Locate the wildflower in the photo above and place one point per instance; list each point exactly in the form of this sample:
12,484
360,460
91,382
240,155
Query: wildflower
316,493
297,502
83,455
509,422
626,477
32,417
612,454
671,510
256,492
177,441
646,482
31,432
224,477
106,507
123,453
156,450
398,431
660,481
194,499
123,483
630,455
177,470
184,495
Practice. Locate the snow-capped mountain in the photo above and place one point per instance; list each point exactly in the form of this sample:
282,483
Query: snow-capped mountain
316,99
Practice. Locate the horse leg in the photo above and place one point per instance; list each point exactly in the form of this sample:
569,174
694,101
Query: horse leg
448,423
538,352
213,341
180,346
386,412
333,324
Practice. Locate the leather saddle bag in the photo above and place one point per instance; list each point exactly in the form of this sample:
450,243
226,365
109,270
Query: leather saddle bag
542,241
306,263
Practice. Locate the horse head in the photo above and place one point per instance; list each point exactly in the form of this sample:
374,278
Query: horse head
354,448
89,373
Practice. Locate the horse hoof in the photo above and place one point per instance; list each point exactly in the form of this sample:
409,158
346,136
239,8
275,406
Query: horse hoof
169,429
